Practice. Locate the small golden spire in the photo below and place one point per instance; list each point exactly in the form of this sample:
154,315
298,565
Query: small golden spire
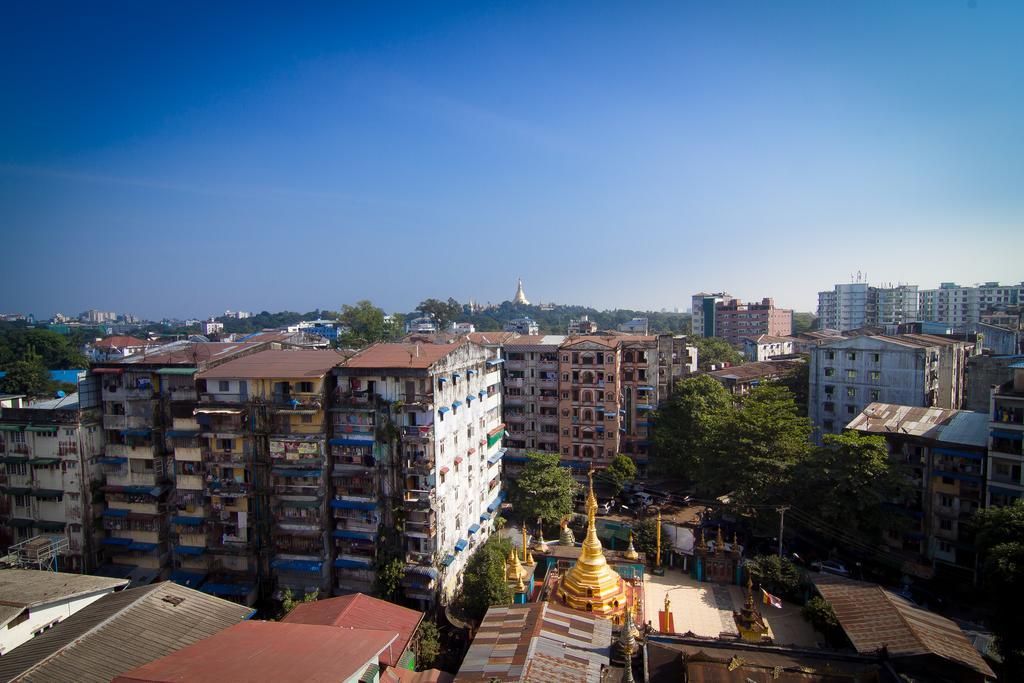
719,543
631,553
515,569
750,593
540,543
667,603
657,541
703,544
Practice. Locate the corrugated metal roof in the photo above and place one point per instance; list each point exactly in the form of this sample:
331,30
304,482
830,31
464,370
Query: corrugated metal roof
274,363
941,425
21,588
873,618
361,611
90,645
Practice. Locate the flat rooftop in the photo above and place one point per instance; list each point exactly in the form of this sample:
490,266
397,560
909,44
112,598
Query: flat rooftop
289,363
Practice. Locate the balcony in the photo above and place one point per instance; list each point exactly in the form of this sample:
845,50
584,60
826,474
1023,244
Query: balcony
299,405
418,433
132,479
183,393
418,499
228,488
235,457
120,450
115,422
190,482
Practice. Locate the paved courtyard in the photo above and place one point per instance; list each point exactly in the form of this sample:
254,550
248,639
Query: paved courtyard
706,610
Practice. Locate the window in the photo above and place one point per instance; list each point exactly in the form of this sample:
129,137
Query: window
829,372
946,501
829,389
874,393
852,355
829,407
829,425
831,355
306,387
945,547
851,374
851,392
224,444
946,524
21,501
851,410
875,375
223,385
307,419
875,357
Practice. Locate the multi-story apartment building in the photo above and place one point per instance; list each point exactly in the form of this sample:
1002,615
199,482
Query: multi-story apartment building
766,347
531,396
702,312
608,387
50,451
960,306
417,471
635,326
525,326
263,439
735,320
944,452
148,403
854,305
1006,440
917,370
582,325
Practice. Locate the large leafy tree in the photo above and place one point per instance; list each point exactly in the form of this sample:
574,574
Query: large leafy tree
859,477
54,350
614,477
28,376
687,430
544,489
762,442
1000,542
715,351
427,645
444,312
797,381
775,574
483,583
368,325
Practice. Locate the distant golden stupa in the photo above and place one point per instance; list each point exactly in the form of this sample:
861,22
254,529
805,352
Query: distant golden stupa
591,585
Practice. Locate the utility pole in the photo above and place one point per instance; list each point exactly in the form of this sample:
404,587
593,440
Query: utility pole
782,520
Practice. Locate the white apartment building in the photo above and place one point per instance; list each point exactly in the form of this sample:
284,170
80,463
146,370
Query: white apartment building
961,306
50,452
442,403
635,326
33,600
917,370
857,304
702,312
525,326
766,347
1006,440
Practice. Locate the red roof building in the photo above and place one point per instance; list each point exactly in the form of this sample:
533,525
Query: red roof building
256,651
362,612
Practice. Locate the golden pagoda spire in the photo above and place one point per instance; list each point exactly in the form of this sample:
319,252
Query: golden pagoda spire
540,543
657,537
527,555
631,553
591,498
719,543
515,569
703,544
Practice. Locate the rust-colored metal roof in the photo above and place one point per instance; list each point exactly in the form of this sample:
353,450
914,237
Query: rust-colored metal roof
120,342
286,363
388,356
493,338
941,425
756,370
873,618
362,611
256,651
188,353
539,641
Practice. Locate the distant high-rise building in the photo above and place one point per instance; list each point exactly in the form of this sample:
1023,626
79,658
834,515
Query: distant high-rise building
522,326
702,320
857,304
94,317
735,320
584,325
961,306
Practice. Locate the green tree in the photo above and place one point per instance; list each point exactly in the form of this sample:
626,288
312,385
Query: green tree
444,312
798,381
54,350
427,645
484,584
762,442
645,539
999,537
818,611
804,322
775,574
715,351
543,489
621,470
288,601
367,325
389,579
687,430
28,376
860,478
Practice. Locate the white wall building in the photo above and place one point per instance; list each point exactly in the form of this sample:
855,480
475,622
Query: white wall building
50,450
857,304
635,326
447,473
702,312
32,601
961,306
525,326
211,326
422,325
912,370
766,347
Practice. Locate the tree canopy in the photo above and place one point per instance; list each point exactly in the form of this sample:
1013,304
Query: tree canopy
544,489
714,351
368,325
54,350
622,469
443,312
483,584
798,381
28,376
999,537
688,428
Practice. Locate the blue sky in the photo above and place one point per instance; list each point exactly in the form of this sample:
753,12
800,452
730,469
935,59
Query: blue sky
187,158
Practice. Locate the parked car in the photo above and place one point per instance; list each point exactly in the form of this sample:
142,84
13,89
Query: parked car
606,507
831,567
642,499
